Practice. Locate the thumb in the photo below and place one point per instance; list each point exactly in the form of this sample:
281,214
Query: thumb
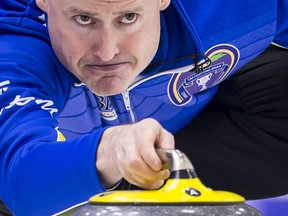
165,139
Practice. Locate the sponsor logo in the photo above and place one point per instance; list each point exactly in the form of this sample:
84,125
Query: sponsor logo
4,86
60,136
107,112
183,85
22,101
192,192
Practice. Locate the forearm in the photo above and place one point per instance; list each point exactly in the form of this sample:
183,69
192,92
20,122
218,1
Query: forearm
105,163
50,177
40,176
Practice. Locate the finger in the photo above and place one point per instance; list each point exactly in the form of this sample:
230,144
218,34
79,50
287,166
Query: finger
151,159
155,137
154,176
165,139
135,179
135,165
149,175
140,158
141,182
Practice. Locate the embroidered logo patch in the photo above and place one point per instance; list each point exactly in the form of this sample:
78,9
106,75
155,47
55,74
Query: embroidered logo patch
105,108
183,85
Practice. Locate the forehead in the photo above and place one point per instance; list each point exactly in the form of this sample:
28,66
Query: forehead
95,3
101,6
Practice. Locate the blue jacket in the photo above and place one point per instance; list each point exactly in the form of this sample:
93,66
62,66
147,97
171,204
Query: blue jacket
40,101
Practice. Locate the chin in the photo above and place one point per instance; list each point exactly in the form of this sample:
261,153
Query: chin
108,88
108,92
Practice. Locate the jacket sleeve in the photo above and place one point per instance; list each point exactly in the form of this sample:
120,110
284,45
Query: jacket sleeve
281,38
39,174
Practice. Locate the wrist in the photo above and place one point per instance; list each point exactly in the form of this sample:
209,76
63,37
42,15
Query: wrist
105,165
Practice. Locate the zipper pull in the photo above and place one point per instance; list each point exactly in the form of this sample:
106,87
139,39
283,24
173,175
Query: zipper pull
126,100
127,104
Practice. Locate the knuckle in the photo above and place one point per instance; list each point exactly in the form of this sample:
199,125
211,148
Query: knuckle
133,163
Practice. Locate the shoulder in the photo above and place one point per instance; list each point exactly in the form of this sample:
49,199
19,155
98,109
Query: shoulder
29,63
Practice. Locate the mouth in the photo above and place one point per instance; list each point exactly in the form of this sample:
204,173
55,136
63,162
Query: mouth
106,67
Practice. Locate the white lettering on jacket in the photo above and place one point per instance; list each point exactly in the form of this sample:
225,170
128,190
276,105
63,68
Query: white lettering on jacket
18,101
4,86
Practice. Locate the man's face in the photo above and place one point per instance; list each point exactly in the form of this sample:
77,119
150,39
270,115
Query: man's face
104,43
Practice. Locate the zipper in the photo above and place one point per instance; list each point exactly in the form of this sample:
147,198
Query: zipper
125,94
127,103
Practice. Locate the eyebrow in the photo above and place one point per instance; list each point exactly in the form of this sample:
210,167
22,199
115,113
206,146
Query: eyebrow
137,9
74,10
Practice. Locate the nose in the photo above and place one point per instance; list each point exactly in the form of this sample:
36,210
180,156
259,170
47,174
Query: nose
107,45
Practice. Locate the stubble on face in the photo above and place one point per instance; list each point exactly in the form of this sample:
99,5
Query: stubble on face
106,78
76,48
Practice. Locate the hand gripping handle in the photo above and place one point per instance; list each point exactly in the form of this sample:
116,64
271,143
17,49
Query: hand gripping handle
177,162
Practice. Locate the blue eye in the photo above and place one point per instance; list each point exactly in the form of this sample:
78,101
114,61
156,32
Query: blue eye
129,18
83,19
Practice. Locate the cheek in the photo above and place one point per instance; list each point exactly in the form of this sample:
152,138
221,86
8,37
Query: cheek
64,48
150,35
149,44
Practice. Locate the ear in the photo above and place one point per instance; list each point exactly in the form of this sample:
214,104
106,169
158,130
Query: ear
42,4
163,4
